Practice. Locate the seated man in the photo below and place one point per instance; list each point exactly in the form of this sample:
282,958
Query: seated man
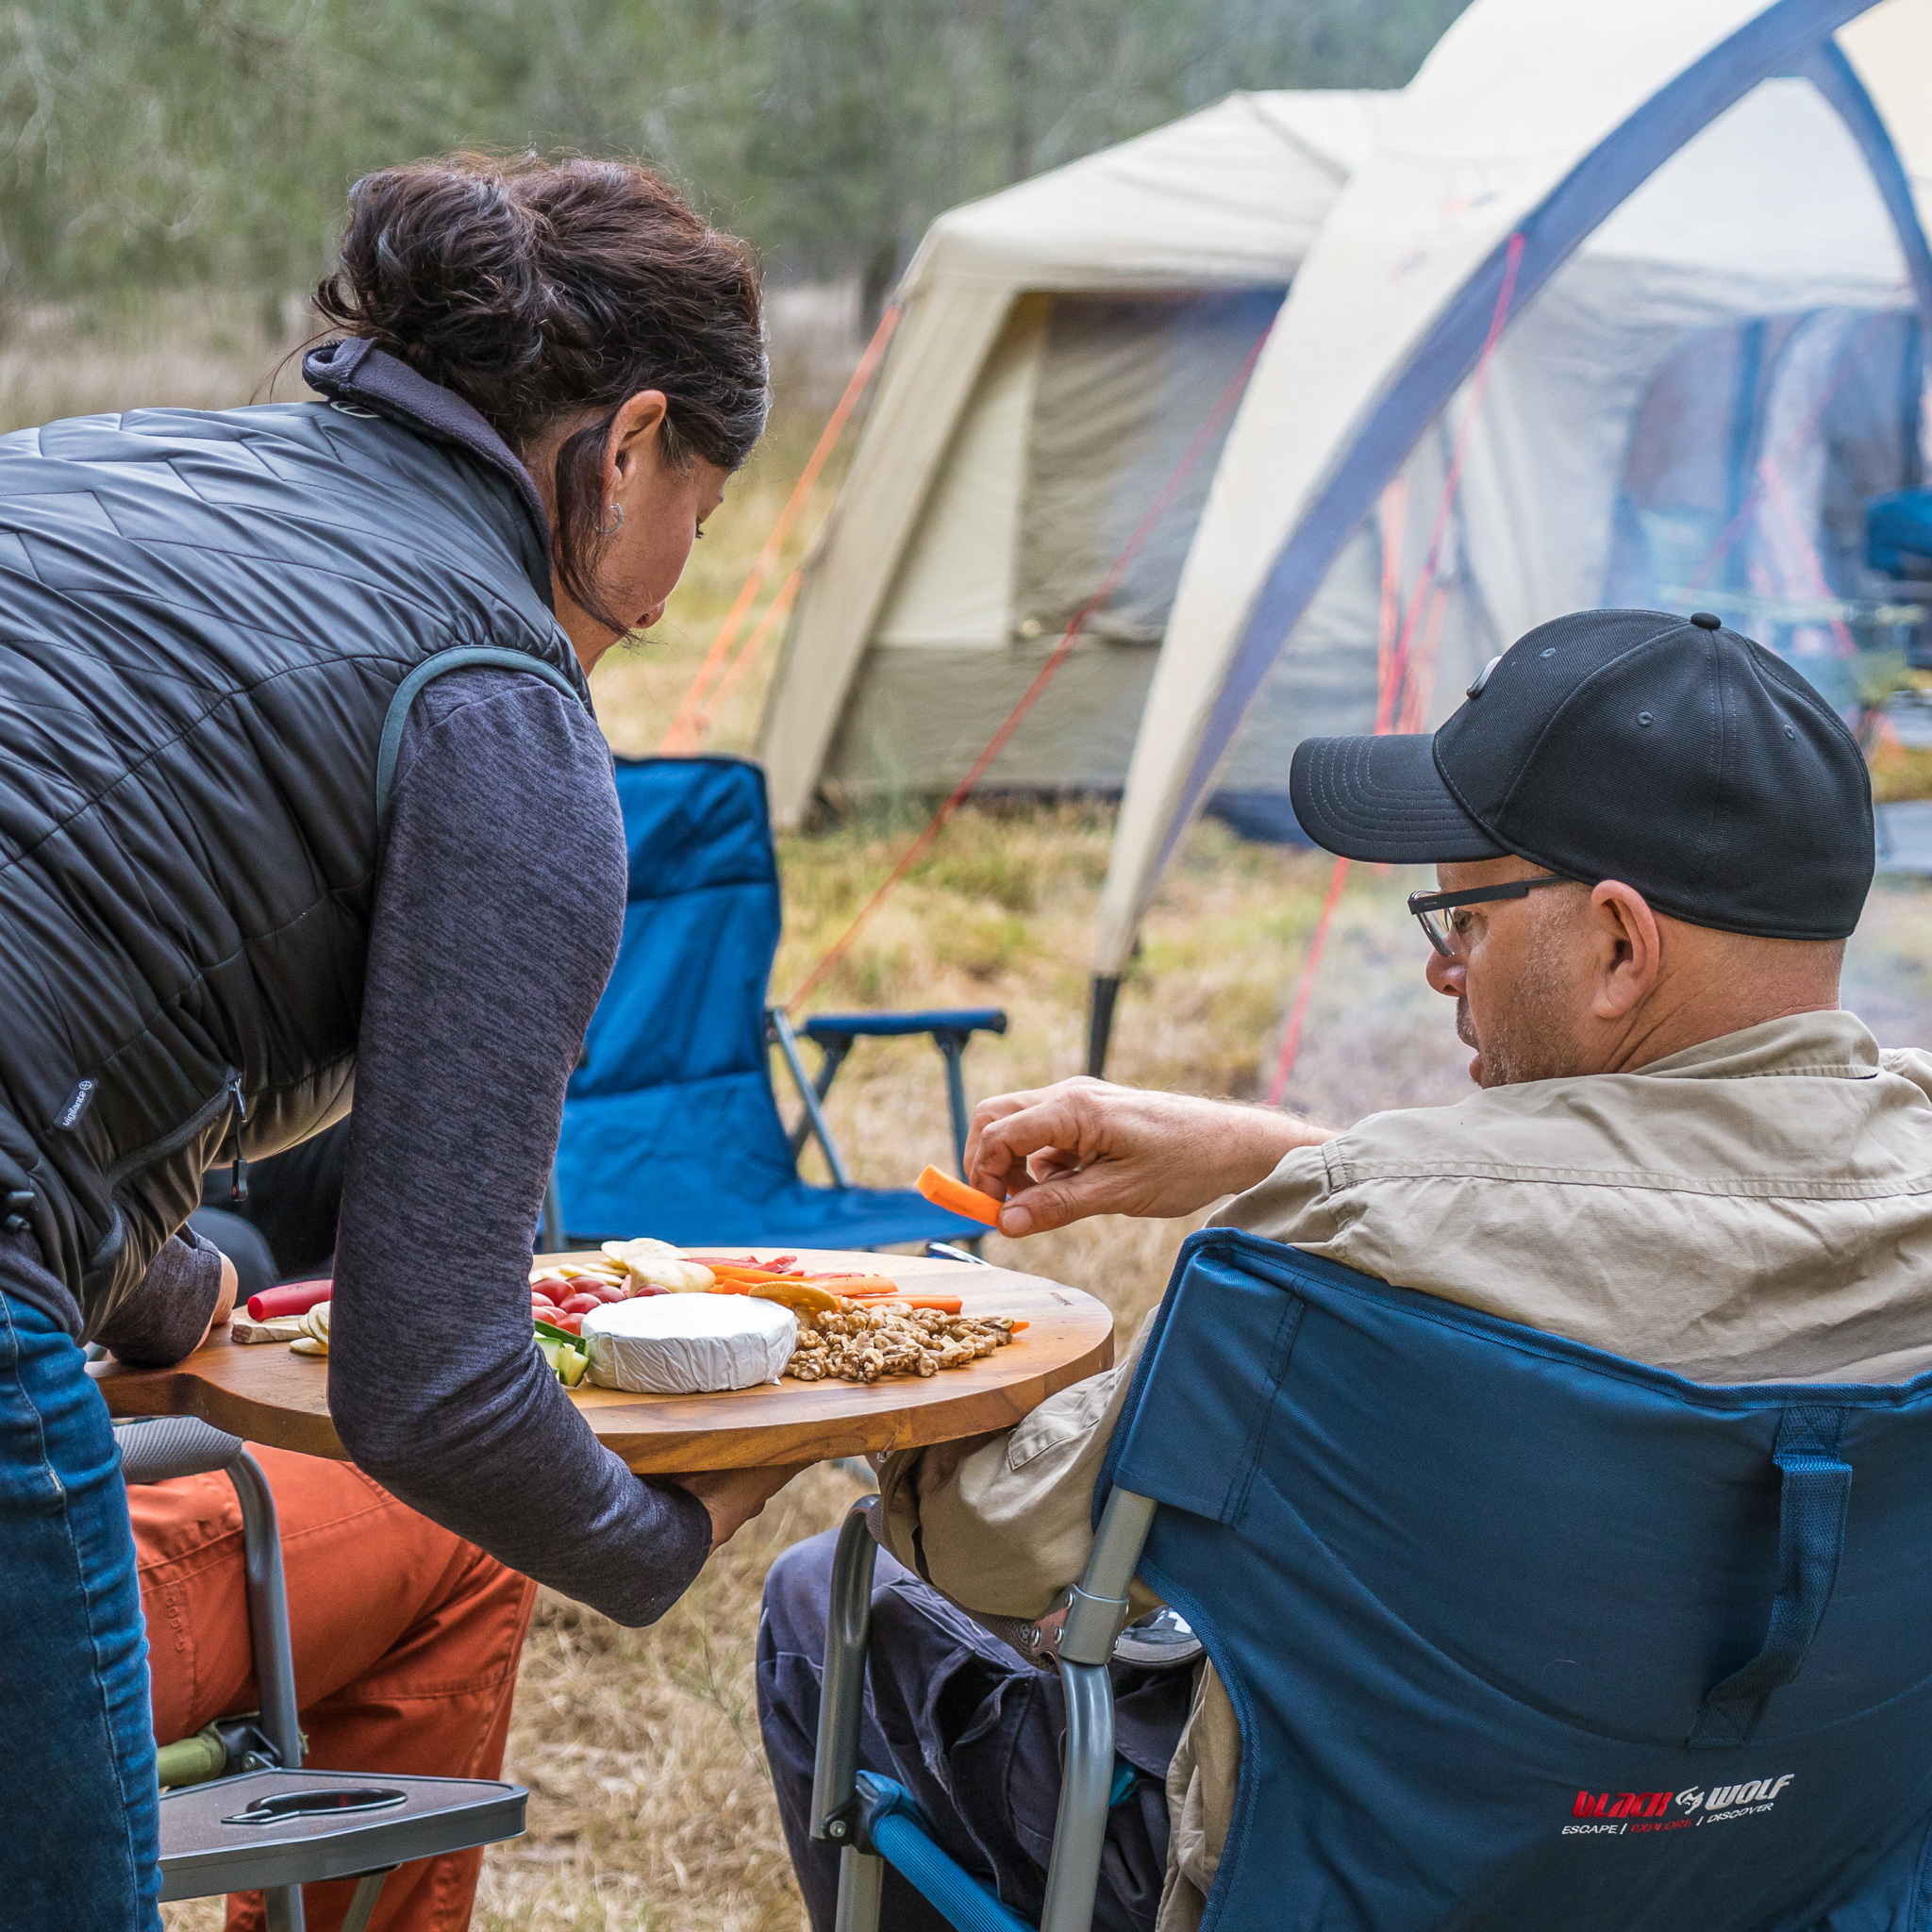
1653,839
406,1638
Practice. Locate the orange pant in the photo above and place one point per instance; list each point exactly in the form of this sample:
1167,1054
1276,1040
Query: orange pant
406,1638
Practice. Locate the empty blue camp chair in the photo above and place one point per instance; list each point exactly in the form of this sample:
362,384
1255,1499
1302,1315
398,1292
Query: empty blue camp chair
1518,1635
670,1124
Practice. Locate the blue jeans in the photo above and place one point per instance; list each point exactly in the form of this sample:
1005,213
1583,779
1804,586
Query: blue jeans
79,1823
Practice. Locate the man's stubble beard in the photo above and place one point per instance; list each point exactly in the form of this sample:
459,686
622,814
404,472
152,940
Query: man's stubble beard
1533,1036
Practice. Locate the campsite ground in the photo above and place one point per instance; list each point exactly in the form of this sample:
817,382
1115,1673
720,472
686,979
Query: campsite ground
650,1804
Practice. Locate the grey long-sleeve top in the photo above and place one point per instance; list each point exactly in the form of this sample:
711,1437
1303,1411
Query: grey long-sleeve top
498,911
497,916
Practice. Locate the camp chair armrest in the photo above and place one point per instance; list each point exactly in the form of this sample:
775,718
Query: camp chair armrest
961,1020
949,1028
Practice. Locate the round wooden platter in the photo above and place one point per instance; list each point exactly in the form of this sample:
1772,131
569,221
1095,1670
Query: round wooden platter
266,1393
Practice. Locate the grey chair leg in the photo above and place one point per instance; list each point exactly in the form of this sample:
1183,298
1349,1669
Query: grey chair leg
1094,1622
268,1609
779,1025
1086,1783
842,1702
275,1660
362,1903
861,1886
952,1047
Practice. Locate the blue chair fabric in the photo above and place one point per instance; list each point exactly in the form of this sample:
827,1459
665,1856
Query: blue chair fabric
1519,1634
670,1124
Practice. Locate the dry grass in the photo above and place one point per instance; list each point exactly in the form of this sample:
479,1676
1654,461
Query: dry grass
650,1804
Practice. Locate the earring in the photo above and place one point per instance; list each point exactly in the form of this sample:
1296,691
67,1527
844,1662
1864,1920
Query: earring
613,524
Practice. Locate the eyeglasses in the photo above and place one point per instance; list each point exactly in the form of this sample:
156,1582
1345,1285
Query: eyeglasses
1441,932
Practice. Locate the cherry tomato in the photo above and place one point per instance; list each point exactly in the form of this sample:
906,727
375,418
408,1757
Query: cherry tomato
571,1325
602,1291
581,1305
555,1286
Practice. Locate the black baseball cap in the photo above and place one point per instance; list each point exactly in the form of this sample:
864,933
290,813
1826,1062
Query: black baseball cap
1669,753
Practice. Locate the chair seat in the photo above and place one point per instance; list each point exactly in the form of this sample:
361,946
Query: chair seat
205,1852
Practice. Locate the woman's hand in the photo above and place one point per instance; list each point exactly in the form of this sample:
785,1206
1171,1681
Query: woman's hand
1061,1153
225,1300
734,1496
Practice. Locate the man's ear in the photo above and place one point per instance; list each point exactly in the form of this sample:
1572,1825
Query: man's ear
1629,949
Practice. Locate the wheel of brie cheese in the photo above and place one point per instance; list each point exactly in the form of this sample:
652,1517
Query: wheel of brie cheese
689,1344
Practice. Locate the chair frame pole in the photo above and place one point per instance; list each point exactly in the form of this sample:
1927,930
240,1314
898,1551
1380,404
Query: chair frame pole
862,1890
779,1023
274,1659
833,1054
1079,1832
953,1046
1086,1646
268,1611
842,1705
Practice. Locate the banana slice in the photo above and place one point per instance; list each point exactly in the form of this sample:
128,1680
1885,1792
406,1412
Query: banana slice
312,1332
657,1264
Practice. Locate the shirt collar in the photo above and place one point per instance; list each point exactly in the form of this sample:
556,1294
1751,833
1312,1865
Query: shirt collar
1834,1045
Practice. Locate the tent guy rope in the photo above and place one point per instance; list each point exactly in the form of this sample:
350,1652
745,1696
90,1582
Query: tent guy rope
1163,499
701,700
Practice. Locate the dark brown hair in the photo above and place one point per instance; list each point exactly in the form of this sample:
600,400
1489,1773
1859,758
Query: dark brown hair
539,288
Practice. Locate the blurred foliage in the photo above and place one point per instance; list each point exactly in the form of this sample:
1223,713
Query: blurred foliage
170,142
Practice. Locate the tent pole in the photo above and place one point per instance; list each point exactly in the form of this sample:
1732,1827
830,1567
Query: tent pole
1100,1022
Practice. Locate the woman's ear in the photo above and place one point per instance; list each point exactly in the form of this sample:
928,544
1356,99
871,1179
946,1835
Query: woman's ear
636,428
1629,949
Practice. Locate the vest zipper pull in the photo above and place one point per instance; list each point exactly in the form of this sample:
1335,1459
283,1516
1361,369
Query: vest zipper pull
237,1174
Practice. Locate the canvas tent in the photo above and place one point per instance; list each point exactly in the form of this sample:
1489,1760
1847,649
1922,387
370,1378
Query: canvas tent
1062,345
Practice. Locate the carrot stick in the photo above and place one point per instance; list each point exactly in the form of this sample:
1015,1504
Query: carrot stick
942,1190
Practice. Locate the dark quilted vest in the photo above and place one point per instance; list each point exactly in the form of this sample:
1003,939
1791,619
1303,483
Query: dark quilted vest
207,620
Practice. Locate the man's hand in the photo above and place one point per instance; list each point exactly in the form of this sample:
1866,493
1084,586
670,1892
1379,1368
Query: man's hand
734,1496
1083,1147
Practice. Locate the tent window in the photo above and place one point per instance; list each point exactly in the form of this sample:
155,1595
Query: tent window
1125,387
1748,472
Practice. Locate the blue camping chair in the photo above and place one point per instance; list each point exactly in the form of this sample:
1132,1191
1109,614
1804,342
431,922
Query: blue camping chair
670,1124
1518,1635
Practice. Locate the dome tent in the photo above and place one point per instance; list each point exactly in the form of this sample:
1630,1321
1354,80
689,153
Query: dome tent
1535,145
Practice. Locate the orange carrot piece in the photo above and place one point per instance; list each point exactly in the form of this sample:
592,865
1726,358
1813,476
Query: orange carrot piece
942,1190
855,1286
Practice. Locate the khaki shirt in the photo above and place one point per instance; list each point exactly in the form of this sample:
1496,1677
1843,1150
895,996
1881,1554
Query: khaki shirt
1756,1208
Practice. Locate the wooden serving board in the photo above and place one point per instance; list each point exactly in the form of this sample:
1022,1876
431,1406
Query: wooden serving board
266,1393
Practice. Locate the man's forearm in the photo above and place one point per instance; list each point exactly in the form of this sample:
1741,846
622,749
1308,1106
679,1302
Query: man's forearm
1259,1138
1084,1147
